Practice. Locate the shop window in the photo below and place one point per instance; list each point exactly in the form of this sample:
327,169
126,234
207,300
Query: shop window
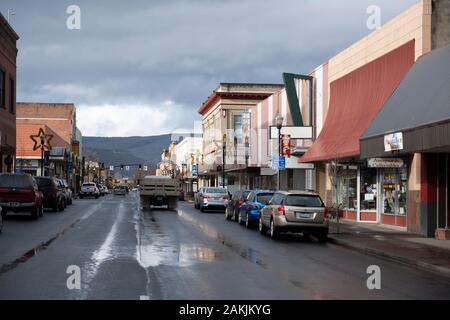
12,98
347,189
368,196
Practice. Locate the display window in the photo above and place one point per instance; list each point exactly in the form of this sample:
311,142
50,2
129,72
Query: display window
348,189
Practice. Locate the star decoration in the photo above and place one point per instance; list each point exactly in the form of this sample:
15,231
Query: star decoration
37,140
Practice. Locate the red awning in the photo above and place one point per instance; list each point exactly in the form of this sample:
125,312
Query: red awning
355,100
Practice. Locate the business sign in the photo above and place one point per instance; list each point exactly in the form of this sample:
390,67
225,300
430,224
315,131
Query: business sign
111,168
393,142
194,170
293,132
385,163
268,172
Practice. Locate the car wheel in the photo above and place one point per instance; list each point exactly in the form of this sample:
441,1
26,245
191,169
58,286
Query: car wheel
322,236
41,210
247,222
227,217
96,197
202,209
262,228
240,219
236,217
273,230
35,213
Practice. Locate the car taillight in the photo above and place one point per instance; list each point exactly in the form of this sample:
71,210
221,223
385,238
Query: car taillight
26,191
225,198
281,210
326,213
205,196
4,190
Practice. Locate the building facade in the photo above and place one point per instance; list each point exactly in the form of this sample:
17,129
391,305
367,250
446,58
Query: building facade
354,87
58,120
8,57
227,125
187,152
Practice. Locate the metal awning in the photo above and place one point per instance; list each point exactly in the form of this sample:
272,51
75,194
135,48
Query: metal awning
355,99
418,110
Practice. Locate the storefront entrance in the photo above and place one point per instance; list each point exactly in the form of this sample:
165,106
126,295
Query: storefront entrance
393,185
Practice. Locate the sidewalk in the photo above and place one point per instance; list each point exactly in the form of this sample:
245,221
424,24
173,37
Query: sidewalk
394,244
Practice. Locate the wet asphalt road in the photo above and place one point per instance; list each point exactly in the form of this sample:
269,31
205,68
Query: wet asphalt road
126,253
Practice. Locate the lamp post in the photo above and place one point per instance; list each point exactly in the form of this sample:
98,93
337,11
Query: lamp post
279,123
224,148
42,137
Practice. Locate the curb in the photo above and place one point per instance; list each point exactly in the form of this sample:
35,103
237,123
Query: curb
420,265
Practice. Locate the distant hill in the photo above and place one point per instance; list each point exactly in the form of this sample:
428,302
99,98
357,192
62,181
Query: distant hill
127,150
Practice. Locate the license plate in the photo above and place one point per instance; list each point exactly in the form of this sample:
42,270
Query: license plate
159,198
13,204
304,215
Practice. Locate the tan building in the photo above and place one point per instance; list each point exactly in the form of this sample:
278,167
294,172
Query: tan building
227,114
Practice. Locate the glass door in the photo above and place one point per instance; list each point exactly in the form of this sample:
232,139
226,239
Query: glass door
394,195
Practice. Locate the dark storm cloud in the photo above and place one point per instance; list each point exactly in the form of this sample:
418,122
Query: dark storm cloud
147,53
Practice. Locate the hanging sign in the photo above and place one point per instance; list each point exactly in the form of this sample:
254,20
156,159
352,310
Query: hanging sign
393,142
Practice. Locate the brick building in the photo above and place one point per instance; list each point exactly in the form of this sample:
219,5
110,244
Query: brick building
59,120
8,55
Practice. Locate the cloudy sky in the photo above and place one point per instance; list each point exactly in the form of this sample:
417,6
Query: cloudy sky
143,67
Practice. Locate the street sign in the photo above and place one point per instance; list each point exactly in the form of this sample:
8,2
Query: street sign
127,168
282,163
111,168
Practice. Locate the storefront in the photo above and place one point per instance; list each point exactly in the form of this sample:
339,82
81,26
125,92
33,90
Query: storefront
414,124
366,190
374,191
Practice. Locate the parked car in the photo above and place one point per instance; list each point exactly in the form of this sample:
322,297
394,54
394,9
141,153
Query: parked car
53,195
250,210
101,189
213,198
89,189
66,191
120,190
235,201
104,190
197,197
20,193
295,211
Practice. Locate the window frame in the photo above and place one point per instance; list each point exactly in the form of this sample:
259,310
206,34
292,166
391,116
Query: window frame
12,95
2,87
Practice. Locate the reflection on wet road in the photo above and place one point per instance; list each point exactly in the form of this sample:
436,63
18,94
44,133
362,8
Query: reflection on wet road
125,252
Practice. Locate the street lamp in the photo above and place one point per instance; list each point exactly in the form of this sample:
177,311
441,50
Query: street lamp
279,123
42,137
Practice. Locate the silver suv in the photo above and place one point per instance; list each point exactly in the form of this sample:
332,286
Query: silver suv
295,211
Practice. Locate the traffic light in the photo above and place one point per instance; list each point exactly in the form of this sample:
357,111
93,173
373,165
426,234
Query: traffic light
121,167
140,166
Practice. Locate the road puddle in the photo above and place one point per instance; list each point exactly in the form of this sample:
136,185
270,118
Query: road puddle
155,248
245,252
